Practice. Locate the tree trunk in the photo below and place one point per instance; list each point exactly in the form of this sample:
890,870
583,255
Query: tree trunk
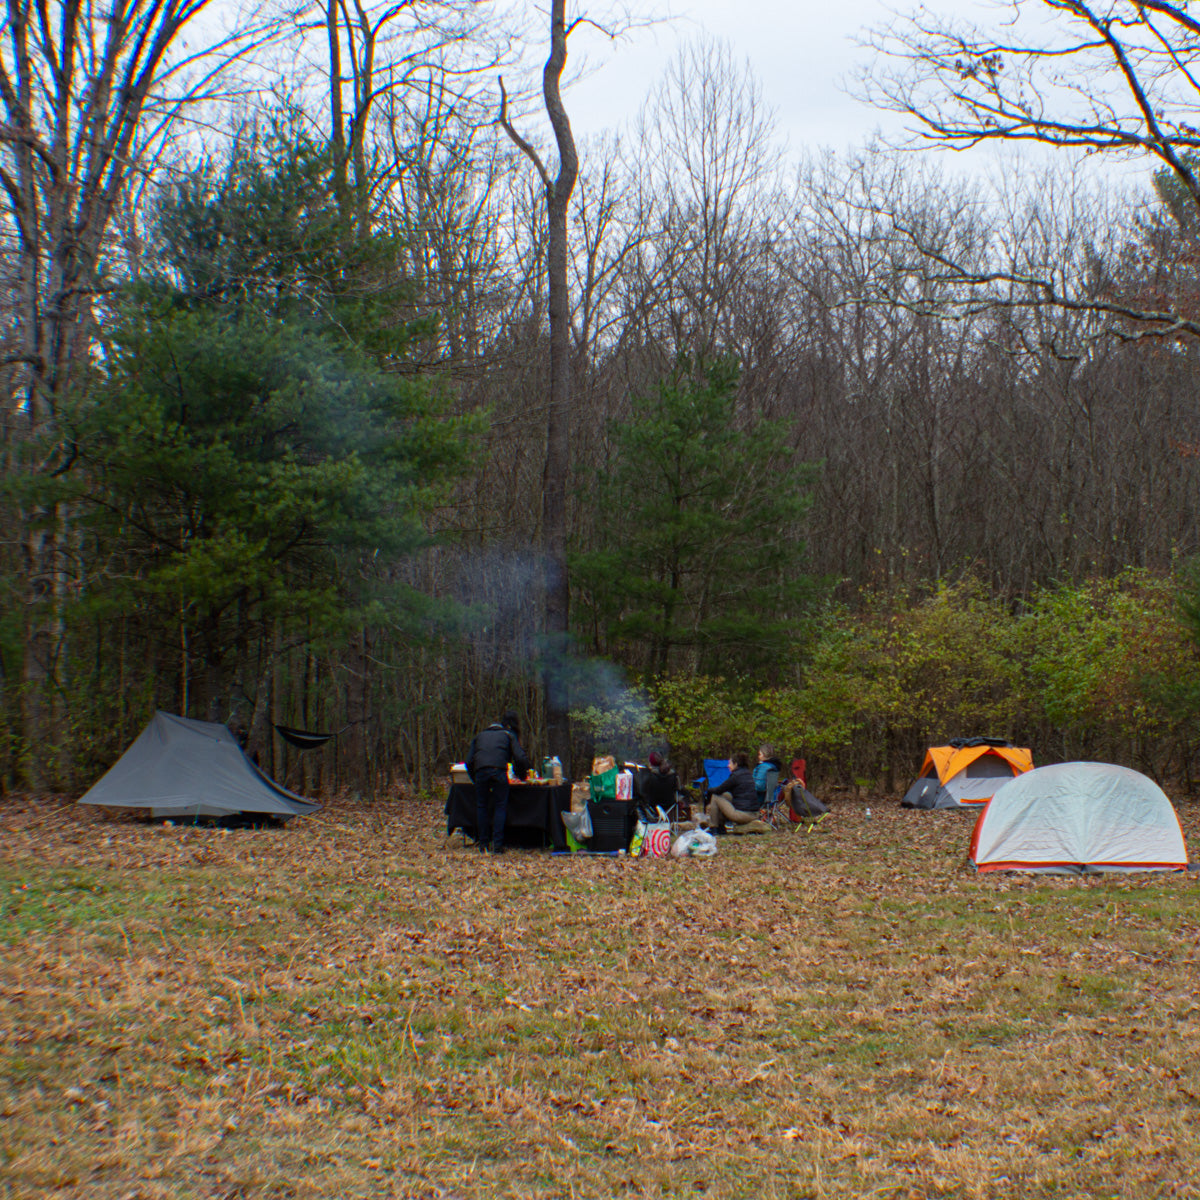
556,648
337,120
558,413
259,735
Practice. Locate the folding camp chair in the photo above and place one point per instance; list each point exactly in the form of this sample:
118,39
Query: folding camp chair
771,790
803,807
716,771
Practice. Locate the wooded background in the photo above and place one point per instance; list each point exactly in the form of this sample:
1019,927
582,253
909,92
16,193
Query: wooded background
859,456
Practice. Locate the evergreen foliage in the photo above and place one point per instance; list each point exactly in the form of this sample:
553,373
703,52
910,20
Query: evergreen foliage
250,467
696,558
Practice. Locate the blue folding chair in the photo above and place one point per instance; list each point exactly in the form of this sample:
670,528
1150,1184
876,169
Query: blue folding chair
716,771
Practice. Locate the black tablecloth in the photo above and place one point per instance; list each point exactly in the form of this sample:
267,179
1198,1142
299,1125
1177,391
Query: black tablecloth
533,813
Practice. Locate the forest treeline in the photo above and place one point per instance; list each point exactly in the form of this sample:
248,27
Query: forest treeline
274,438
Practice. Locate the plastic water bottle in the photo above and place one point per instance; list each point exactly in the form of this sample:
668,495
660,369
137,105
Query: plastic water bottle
556,769
639,836
868,814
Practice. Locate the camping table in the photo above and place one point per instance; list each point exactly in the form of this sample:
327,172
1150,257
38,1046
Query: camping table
533,808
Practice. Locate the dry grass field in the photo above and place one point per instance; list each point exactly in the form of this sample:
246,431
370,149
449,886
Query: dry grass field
355,1006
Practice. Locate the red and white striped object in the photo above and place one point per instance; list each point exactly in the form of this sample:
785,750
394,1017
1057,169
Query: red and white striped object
658,843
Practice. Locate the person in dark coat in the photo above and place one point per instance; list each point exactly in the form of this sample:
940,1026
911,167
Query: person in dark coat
659,787
736,800
487,763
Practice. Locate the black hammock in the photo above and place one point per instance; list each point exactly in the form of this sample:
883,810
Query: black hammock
304,739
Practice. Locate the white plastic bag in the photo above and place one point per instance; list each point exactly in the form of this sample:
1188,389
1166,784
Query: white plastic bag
578,824
696,843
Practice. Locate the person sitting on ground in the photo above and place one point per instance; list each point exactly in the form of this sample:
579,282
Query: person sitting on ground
736,800
767,762
487,764
659,787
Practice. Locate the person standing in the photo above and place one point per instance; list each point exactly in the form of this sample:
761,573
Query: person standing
492,749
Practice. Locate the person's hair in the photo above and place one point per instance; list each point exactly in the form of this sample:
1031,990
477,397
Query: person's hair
741,759
767,750
656,760
511,722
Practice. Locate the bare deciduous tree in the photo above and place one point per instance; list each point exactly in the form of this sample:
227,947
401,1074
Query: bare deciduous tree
707,155
443,207
88,95
376,51
554,481
1116,77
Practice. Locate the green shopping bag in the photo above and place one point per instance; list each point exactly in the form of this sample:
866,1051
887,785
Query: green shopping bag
604,786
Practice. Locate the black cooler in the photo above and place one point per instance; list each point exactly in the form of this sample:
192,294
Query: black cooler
612,824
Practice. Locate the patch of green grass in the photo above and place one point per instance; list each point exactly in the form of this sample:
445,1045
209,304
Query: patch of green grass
352,1006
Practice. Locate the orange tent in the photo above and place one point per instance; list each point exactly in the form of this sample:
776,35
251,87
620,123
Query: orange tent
966,774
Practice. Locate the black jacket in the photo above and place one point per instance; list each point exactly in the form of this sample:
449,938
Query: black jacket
740,785
659,788
493,749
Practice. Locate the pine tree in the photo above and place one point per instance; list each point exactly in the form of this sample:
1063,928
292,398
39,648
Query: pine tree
696,559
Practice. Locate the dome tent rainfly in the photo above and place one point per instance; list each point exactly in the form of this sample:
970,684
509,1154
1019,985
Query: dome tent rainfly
178,767
965,773
1079,818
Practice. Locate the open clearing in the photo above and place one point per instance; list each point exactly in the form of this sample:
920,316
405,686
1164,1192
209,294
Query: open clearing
356,1006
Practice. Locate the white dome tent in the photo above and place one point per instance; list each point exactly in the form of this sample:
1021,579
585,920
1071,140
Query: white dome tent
1079,818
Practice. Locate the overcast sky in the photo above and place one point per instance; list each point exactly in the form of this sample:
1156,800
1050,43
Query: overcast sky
802,51
804,54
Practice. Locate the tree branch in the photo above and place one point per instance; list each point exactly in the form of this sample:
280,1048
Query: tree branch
518,141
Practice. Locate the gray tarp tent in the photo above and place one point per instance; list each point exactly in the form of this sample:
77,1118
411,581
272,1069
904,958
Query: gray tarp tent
178,767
